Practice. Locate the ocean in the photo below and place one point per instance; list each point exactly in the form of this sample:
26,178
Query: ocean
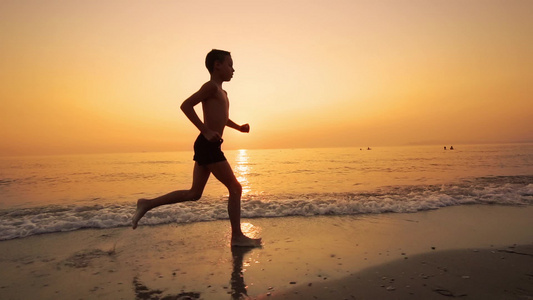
48,194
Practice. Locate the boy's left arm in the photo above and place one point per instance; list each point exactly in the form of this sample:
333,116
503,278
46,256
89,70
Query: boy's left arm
241,128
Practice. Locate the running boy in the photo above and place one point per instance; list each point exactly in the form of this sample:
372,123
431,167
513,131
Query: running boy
207,152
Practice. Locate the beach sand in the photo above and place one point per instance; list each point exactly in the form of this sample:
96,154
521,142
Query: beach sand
471,252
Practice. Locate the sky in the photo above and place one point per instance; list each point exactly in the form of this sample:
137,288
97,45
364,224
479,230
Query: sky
109,76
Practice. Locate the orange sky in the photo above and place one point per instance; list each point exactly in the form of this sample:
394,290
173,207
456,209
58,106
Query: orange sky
109,76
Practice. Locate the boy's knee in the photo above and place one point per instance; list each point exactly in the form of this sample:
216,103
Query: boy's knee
195,196
235,189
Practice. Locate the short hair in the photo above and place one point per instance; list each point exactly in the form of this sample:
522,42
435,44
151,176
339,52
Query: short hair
214,56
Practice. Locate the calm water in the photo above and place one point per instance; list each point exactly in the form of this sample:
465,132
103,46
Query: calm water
60,193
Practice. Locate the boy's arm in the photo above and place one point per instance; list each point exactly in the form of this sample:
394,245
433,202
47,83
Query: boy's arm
241,128
206,91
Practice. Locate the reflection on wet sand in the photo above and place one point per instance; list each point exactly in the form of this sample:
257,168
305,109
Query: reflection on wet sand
238,287
145,293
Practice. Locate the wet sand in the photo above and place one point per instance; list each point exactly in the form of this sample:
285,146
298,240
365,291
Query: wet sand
495,273
471,252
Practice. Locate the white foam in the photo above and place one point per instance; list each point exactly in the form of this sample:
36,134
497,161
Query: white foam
510,190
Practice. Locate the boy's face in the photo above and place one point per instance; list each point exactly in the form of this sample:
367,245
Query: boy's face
226,68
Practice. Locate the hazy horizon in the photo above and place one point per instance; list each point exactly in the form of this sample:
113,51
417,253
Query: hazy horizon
438,147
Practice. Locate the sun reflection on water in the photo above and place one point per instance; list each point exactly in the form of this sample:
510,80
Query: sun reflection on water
242,171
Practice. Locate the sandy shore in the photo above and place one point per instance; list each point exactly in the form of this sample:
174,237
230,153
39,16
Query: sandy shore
471,252
496,273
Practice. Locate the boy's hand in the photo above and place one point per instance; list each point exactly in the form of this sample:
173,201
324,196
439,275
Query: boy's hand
245,128
212,136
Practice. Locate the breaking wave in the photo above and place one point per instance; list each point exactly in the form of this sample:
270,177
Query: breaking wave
497,190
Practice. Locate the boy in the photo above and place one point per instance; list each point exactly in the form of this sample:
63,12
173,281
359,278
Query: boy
207,153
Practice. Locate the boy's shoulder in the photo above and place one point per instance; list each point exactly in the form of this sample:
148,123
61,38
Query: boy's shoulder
209,87
210,90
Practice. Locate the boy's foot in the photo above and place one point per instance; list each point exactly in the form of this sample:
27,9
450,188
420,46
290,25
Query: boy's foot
142,208
244,241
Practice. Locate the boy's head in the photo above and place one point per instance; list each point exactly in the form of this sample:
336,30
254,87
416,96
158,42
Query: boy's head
215,56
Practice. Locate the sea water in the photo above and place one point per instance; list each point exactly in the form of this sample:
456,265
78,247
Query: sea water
64,193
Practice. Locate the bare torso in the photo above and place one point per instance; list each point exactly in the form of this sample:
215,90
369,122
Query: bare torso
216,111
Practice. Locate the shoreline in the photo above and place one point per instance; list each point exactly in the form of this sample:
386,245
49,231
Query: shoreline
195,260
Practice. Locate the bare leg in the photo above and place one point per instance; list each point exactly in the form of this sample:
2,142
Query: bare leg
223,172
200,177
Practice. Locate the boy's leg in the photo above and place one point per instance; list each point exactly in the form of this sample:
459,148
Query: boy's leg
200,177
223,172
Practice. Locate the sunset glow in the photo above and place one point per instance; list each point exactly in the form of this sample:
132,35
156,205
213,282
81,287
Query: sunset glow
109,76
242,171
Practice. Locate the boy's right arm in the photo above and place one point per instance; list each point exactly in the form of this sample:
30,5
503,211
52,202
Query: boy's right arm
206,91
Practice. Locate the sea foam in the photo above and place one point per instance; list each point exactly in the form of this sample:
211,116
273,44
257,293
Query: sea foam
499,190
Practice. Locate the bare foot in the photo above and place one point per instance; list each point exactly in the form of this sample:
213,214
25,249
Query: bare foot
244,241
142,208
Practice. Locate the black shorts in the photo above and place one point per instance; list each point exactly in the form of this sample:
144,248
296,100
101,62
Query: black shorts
206,152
